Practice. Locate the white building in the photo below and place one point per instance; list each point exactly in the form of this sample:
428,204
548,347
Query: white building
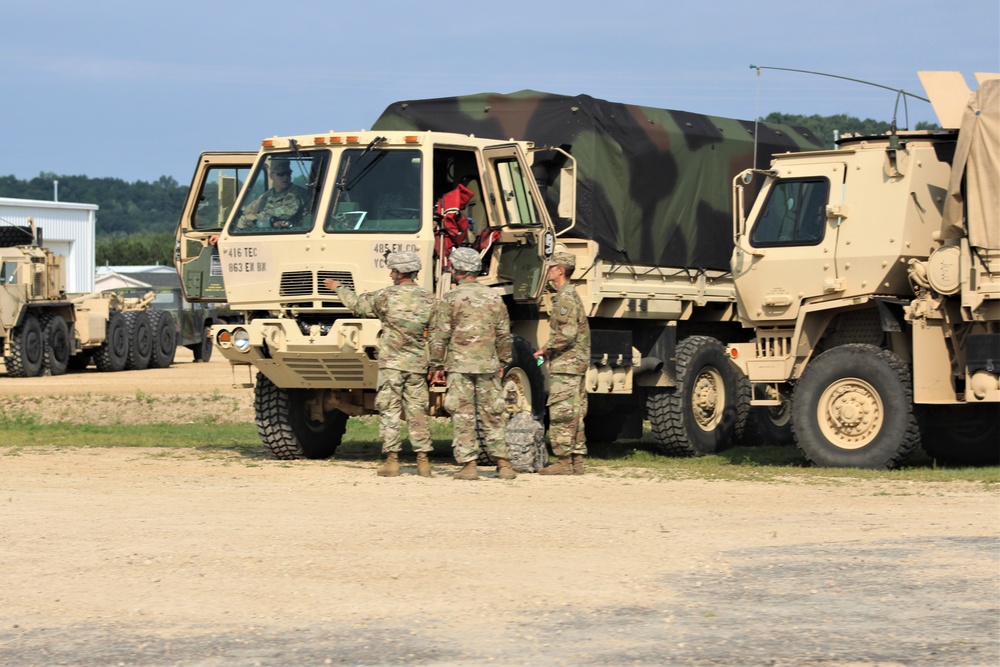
68,229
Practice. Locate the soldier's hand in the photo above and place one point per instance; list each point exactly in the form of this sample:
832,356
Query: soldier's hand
331,284
539,353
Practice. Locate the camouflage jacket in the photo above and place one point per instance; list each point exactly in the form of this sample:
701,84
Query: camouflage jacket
405,312
568,347
471,331
272,207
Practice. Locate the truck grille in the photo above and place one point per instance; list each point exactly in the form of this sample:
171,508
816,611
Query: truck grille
345,278
345,372
296,283
774,347
305,283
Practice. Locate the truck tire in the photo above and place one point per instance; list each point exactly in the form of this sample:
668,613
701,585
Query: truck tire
27,349
961,435
140,340
55,334
161,323
707,408
523,387
285,428
771,426
853,408
523,382
202,350
112,355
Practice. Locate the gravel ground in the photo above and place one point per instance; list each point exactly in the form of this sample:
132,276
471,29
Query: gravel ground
145,556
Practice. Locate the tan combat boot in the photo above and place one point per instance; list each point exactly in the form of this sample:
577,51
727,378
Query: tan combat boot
564,466
505,470
577,464
468,471
391,466
423,464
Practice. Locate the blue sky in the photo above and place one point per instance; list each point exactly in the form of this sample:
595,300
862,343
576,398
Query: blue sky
136,90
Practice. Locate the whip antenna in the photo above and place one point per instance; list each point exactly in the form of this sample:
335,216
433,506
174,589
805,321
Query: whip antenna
900,93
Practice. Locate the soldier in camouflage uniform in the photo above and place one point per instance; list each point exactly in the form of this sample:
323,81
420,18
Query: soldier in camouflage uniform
405,310
470,338
568,354
282,206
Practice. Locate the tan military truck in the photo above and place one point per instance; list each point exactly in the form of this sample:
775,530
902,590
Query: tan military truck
871,276
45,331
656,285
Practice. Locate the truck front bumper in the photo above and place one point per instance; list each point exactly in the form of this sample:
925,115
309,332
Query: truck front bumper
342,357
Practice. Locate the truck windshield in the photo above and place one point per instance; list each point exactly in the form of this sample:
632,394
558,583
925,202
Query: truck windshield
281,198
376,191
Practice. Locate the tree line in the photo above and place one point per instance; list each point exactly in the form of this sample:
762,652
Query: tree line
824,127
135,221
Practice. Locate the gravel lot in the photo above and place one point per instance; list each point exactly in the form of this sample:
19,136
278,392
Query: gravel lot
175,557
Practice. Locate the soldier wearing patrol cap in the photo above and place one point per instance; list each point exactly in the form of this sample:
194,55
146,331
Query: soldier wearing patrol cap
470,338
405,310
568,354
281,207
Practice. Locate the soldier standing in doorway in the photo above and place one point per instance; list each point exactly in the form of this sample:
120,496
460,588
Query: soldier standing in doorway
405,310
470,339
568,354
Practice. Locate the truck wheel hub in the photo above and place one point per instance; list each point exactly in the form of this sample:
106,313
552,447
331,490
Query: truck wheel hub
706,399
850,413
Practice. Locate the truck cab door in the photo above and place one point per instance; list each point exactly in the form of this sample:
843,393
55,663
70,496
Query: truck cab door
788,254
214,189
527,237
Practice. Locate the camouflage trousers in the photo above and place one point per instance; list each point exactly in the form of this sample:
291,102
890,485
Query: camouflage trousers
403,395
567,409
472,395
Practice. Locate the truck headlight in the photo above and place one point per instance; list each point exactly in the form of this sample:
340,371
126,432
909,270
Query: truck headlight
241,340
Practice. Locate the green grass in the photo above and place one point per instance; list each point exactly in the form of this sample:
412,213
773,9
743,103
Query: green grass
23,432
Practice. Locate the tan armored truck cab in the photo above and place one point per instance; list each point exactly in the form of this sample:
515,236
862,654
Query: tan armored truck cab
649,266
45,331
871,276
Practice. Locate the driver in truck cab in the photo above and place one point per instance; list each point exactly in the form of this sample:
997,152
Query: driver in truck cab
283,204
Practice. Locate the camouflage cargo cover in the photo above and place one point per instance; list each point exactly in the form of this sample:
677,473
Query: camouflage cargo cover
654,185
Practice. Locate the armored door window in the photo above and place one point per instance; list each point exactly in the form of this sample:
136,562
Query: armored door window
8,273
515,194
794,214
218,194
376,191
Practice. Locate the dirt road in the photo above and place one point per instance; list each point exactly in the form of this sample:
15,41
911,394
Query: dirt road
167,557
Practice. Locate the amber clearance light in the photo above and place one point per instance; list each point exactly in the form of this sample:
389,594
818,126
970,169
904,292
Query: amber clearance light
224,339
